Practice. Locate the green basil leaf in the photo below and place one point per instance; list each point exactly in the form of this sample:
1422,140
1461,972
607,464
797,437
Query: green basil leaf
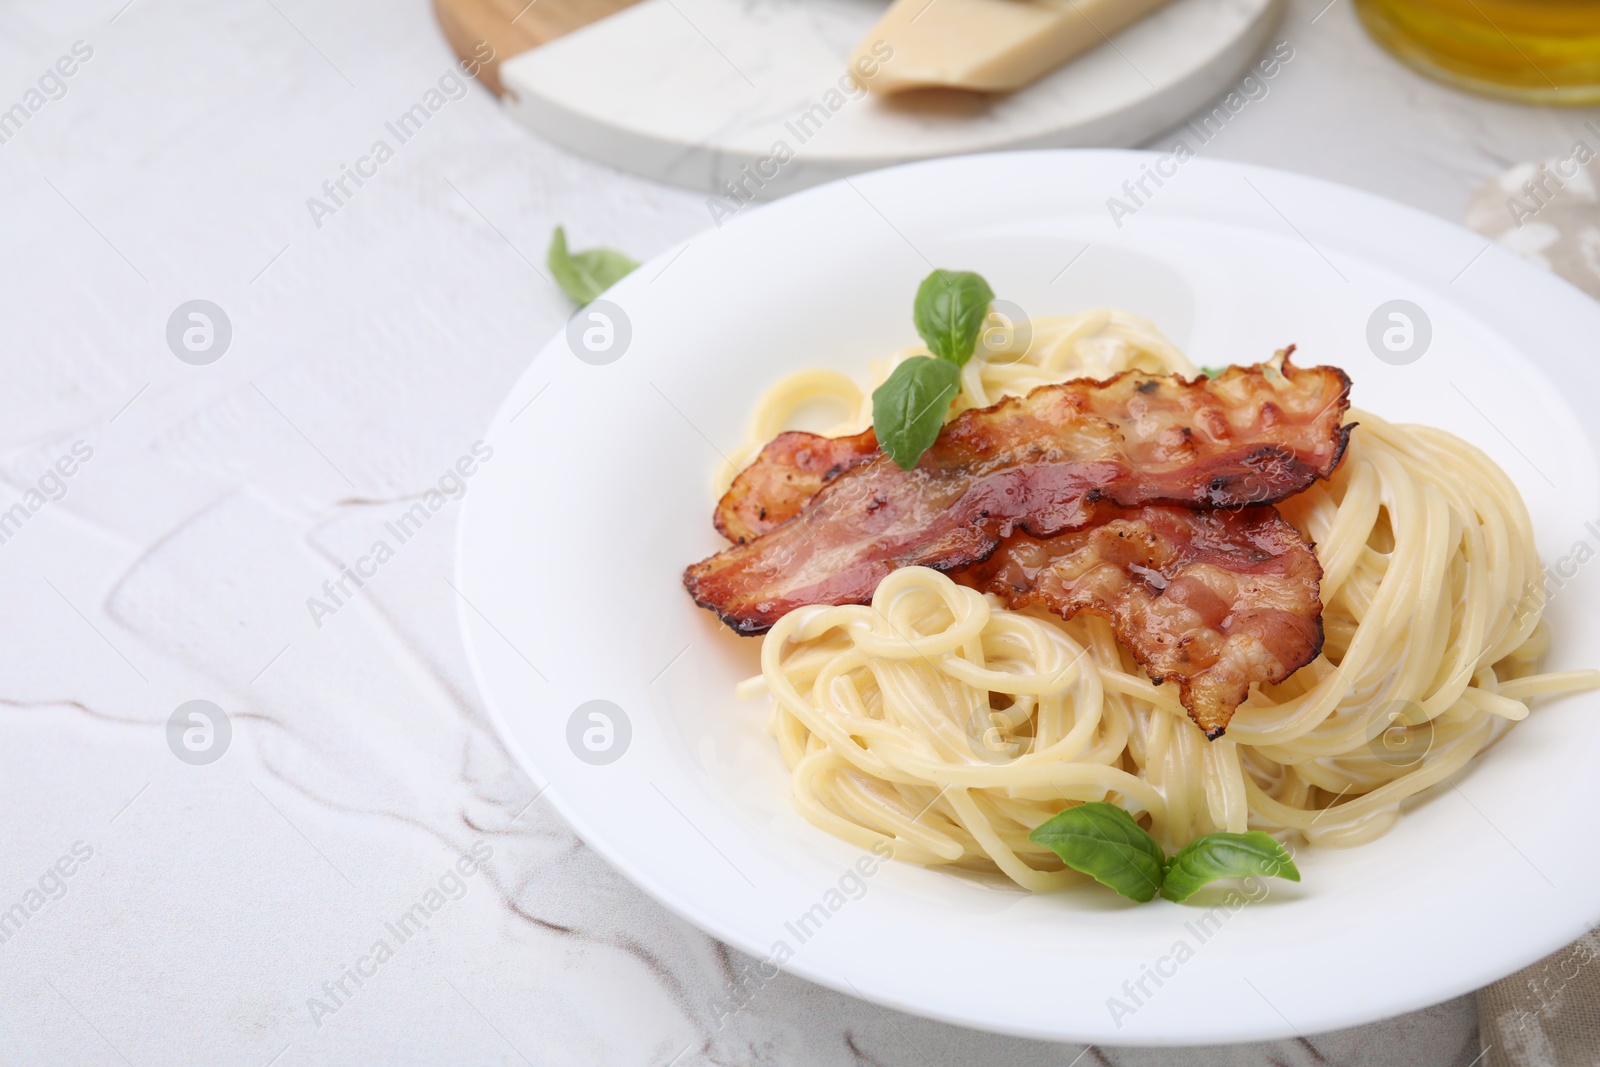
949,312
908,409
1104,842
585,275
1205,859
1212,372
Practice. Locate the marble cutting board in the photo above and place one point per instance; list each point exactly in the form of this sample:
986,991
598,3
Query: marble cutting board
703,93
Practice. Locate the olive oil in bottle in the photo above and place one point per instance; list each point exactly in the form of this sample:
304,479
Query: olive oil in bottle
1535,51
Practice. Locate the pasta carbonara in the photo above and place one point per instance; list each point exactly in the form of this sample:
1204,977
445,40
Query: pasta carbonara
940,721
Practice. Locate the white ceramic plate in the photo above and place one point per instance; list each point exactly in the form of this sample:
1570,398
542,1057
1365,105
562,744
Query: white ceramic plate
575,535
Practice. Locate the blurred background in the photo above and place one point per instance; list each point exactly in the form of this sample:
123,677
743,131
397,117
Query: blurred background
270,267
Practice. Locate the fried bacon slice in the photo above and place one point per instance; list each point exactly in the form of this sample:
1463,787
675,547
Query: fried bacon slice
794,466
1037,464
1213,600
790,470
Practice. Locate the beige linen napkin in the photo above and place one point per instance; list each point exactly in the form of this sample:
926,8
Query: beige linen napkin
1547,1015
1548,212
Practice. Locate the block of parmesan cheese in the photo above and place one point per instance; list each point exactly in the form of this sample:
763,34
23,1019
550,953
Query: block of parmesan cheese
984,45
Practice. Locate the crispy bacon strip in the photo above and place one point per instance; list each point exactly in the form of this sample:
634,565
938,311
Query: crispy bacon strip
794,466
1038,464
791,469
1212,600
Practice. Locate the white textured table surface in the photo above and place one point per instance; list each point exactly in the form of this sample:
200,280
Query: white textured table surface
211,909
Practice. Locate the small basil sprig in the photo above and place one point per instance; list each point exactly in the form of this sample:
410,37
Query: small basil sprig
949,312
585,275
1103,841
1223,855
909,408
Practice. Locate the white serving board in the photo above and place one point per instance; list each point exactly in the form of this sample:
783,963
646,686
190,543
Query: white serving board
694,92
